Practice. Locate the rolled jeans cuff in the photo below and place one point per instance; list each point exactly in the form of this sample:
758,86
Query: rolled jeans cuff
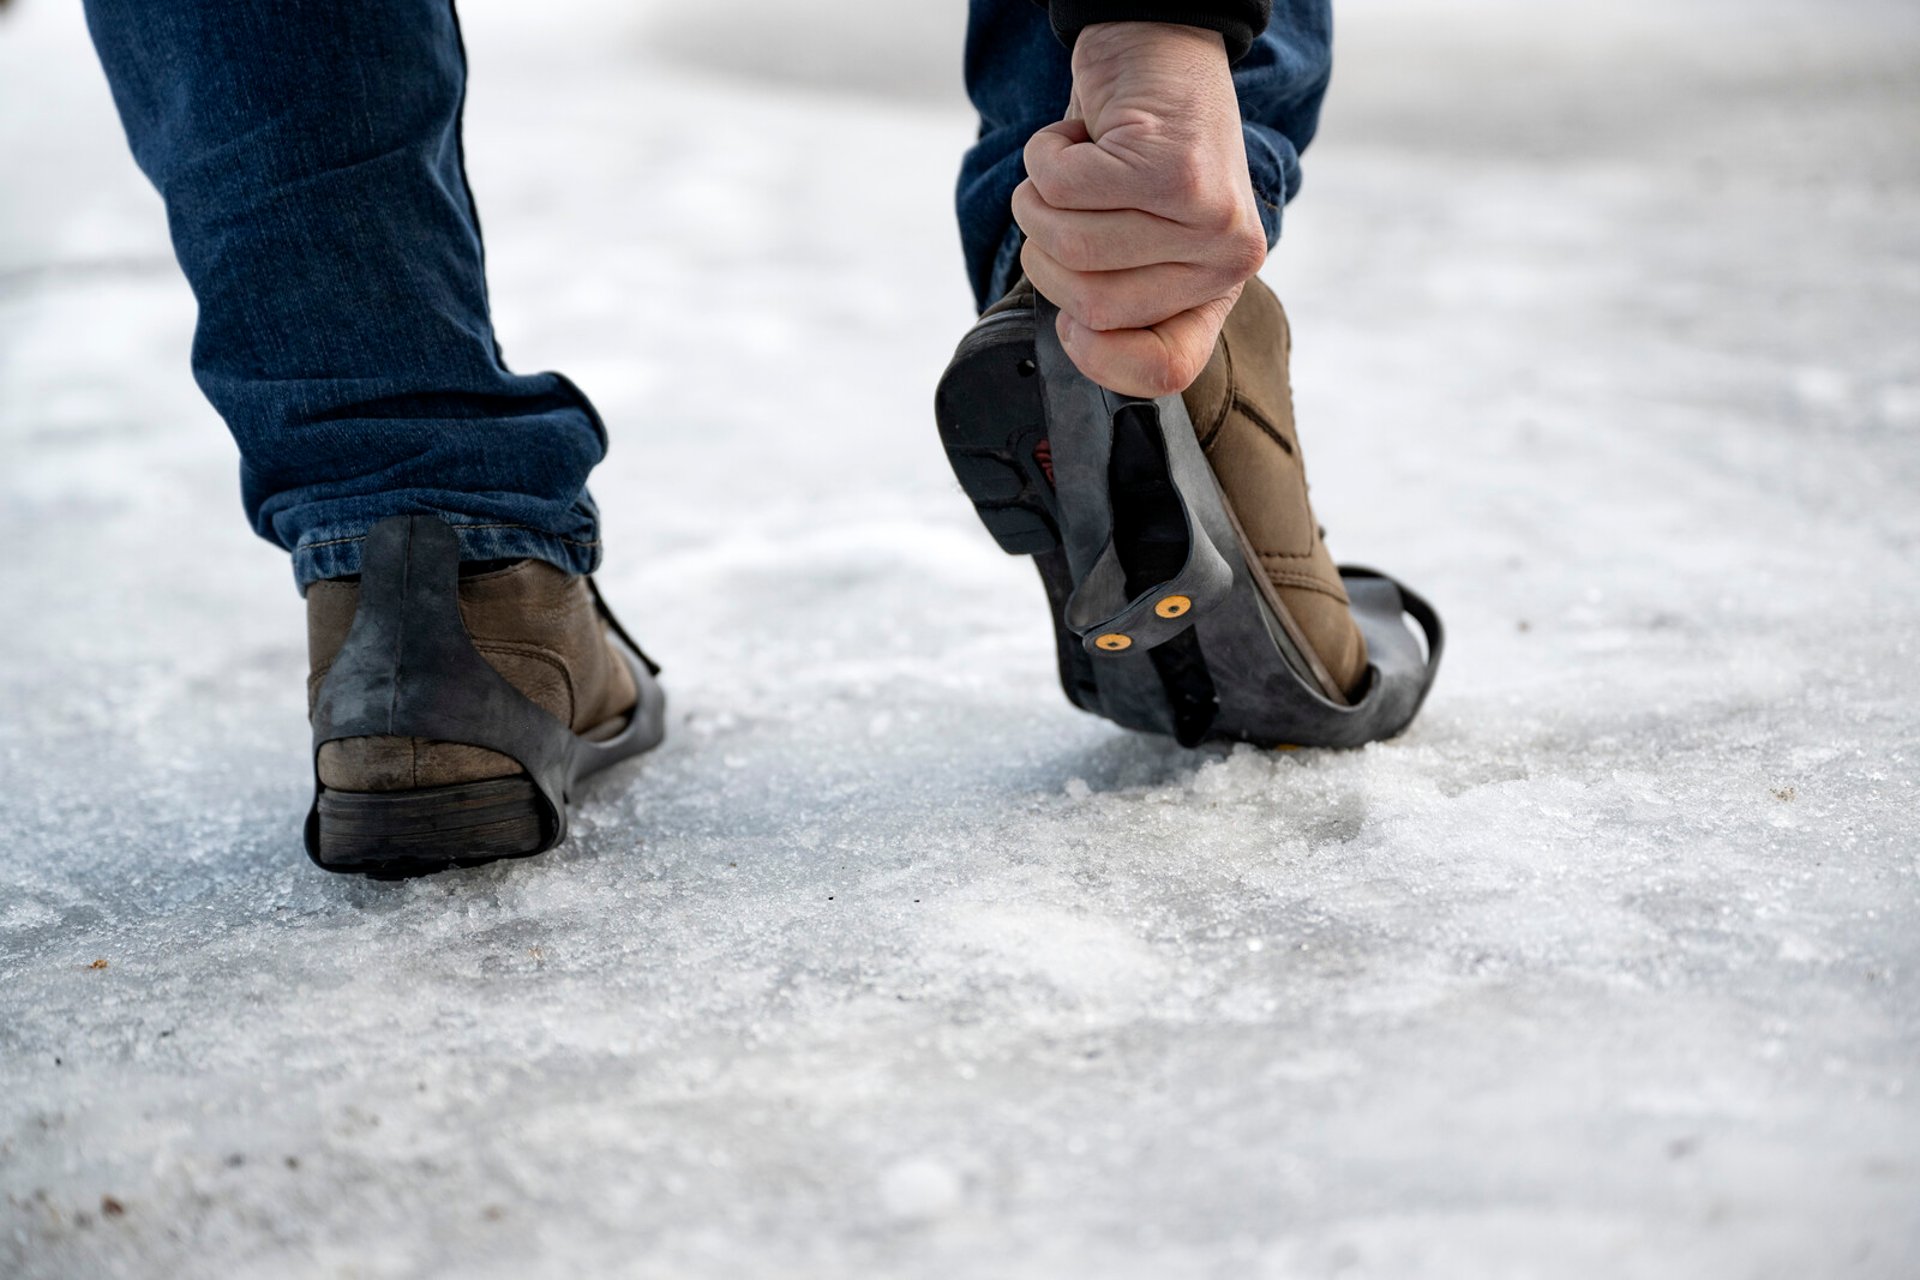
1273,184
335,552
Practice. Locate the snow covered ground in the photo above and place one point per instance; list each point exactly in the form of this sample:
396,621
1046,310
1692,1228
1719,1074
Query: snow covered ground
892,964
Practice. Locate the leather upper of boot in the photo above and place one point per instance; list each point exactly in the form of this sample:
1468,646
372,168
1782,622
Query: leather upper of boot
536,625
1242,410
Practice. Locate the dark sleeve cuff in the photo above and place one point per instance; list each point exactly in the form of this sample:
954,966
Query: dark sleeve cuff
1239,21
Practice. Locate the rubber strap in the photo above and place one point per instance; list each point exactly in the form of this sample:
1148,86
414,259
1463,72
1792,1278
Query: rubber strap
409,669
1100,609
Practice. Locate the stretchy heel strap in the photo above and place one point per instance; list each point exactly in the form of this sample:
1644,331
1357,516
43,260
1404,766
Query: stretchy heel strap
409,669
1100,611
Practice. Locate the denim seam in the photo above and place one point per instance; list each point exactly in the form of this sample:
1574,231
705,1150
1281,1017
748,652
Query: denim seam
557,537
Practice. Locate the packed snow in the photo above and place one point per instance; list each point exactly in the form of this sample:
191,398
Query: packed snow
890,963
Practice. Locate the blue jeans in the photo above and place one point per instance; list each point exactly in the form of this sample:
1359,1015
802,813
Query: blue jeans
309,157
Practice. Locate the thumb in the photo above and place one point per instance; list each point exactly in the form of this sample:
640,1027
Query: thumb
1153,362
1070,132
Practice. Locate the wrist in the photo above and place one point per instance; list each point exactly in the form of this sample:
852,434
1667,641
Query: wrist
1101,41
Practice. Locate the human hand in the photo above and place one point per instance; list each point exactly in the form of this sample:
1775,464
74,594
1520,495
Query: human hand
1140,217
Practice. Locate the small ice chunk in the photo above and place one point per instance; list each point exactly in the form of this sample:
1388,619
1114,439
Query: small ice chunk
919,1189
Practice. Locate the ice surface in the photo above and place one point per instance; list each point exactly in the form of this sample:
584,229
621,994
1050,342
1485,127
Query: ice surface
892,964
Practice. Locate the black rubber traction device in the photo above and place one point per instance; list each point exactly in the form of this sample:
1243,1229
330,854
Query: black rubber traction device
409,669
1180,635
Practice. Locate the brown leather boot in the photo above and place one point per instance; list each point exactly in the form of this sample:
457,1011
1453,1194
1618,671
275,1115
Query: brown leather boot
533,623
1191,589
454,712
1242,411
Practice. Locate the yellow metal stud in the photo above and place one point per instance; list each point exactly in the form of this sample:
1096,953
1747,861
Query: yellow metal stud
1114,642
1173,606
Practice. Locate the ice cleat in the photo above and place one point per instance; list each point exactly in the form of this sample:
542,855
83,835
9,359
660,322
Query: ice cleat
455,716
1180,608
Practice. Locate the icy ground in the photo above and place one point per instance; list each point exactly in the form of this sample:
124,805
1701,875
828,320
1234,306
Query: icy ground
890,963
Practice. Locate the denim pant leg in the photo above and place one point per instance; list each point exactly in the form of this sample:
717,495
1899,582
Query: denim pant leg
1018,76
310,161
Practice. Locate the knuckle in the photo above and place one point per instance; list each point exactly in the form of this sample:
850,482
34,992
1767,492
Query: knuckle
1073,248
1243,251
1074,300
1110,310
1214,212
1037,186
1038,172
1067,292
1047,184
1233,214
1029,258
1023,202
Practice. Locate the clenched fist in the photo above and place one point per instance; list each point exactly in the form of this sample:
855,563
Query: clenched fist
1139,215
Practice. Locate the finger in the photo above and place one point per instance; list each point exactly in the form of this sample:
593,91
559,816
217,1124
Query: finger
1100,240
1072,172
1135,299
1159,361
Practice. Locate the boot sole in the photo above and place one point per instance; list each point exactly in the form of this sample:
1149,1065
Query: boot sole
394,835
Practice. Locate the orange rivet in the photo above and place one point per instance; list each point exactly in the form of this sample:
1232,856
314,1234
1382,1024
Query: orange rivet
1173,606
1114,642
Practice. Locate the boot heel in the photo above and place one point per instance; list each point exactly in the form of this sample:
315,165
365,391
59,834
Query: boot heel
409,669
401,833
992,424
